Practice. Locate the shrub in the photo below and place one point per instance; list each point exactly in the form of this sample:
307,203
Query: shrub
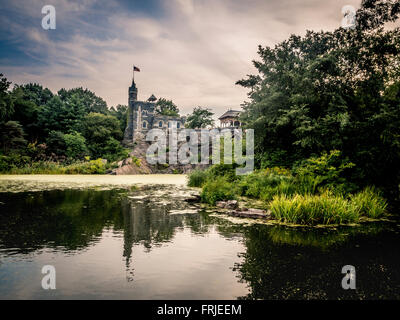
218,189
370,202
224,170
327,171
197,178
260,183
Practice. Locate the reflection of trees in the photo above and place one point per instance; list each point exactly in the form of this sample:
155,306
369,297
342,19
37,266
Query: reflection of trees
69,219
286,263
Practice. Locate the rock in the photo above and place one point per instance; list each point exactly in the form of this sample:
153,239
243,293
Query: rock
230,204
251,213
193,198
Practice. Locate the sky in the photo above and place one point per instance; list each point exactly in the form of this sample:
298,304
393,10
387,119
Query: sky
190,51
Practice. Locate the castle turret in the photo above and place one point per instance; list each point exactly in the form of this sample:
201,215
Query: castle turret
133,93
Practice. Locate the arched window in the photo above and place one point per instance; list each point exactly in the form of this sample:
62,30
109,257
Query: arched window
178,125
144,124
160,124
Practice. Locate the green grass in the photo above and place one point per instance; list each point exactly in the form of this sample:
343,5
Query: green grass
314,209
370,202
327,208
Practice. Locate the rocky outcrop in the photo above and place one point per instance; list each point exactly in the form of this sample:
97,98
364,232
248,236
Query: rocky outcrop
138,156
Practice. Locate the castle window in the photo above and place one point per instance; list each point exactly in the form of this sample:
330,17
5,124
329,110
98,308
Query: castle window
160,124
144,124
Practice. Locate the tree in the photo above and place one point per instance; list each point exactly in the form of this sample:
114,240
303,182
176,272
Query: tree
11,136
332,91
75,145
101,132
200,118
166,108
6,103
120,112
59,115
87,100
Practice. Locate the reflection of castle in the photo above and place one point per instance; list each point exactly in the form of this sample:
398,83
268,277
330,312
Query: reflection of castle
142,117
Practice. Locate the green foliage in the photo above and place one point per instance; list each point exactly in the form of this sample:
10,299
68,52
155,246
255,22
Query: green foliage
121,113
166,108
314,209
370,202
197,178
102,134
75,145
199,118
12,161
224,170
23,165
55,143
85,99
6,103
332,91
11,136
326,171
217,189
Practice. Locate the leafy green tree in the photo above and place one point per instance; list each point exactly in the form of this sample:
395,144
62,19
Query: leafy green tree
11,136
199,118
6,103
332,91
120,112
101,132
55,143
75,145
35,93
87,100
59,115
166,108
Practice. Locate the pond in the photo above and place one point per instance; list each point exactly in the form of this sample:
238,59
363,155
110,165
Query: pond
110,240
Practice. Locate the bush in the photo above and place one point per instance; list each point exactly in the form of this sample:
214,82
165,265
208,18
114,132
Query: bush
197,178
328,171
218,189
263,182
370,203
91,167
224,170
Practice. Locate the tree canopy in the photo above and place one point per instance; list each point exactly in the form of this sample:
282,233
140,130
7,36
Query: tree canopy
166,108
199,118
332,90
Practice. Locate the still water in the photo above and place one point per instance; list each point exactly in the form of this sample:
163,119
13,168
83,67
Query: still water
119,242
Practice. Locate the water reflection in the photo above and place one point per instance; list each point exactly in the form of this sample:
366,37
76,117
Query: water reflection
170,256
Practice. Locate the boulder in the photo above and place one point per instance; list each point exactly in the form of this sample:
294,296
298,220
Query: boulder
230,204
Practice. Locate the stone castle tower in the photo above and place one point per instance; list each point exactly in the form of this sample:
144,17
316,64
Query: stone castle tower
141,117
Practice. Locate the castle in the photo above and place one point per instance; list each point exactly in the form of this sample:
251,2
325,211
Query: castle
142,117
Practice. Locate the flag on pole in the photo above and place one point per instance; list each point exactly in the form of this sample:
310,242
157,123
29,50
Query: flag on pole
136,69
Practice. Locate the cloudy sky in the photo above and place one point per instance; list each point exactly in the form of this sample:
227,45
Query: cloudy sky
190,51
